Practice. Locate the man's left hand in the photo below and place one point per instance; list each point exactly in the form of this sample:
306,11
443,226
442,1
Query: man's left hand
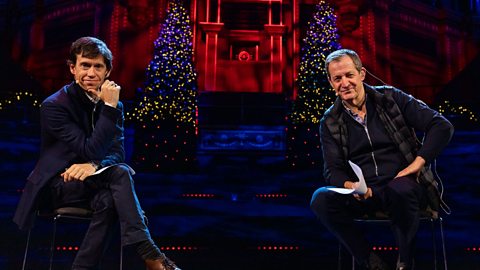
413,168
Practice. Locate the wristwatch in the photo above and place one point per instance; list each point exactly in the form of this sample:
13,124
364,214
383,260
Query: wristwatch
95,165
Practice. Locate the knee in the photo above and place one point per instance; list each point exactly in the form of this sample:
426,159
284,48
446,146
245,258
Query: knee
318,201
120,173
403,188
120,170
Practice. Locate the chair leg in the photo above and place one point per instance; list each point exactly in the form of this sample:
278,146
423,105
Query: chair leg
443,244
339,259
121,257
24,264
52,244
434,243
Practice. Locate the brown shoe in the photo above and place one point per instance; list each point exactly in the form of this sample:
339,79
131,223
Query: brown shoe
161,263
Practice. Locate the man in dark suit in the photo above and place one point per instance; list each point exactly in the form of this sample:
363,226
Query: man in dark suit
81,133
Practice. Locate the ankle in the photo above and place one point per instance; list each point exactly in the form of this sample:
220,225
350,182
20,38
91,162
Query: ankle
148,250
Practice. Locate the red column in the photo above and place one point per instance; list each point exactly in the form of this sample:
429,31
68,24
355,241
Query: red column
276,56
211,45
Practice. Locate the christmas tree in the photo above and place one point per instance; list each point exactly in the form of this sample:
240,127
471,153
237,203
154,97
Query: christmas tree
166,113
315,94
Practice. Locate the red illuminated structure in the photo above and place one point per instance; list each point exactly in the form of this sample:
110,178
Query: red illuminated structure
251,46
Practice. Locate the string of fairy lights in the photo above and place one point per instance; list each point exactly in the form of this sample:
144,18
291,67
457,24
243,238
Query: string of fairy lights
447,108
315,94
21,97
170,91
167,109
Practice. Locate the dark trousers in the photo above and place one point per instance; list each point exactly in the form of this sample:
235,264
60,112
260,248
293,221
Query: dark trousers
402,198
112,199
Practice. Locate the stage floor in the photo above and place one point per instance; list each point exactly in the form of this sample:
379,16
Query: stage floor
243,213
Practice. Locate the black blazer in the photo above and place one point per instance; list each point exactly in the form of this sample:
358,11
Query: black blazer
73,130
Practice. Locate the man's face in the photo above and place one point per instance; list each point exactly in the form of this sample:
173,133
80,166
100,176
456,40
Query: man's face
89,73
345,79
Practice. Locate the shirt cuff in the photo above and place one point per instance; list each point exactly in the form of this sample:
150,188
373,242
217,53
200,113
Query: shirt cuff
109,104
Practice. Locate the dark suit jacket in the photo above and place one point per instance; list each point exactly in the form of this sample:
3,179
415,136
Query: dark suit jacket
73,130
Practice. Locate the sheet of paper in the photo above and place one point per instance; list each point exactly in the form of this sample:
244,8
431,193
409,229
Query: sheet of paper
362,186
341,190
132,172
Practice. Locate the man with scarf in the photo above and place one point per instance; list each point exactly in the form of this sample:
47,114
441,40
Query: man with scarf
374,127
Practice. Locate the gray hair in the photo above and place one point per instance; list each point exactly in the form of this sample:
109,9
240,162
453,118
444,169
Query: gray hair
336,55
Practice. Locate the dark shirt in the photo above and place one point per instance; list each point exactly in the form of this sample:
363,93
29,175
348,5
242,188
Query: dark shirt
372,149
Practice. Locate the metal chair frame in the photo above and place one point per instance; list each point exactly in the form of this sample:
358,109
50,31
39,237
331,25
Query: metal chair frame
381,217
74,213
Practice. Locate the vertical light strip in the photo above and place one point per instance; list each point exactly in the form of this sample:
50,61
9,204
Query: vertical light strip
218,11
205,73
281,59
280,64
114,29
361,34
281,12
215,63
270,12
207,19
271,63
194,30
371,39
294,47
98,13
281,48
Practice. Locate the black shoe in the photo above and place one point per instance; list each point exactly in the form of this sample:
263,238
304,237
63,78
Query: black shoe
161,263
169,264
404,266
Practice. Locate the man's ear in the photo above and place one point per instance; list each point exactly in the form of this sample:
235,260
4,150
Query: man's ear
108,73
363,73
72,68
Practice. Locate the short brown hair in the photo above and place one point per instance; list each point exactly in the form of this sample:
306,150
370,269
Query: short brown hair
90,47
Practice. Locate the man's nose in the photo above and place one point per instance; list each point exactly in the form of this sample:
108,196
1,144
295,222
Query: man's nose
91,71
345,82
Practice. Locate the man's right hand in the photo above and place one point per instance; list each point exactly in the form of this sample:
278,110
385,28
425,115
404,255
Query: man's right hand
355,185
109,93
78,172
